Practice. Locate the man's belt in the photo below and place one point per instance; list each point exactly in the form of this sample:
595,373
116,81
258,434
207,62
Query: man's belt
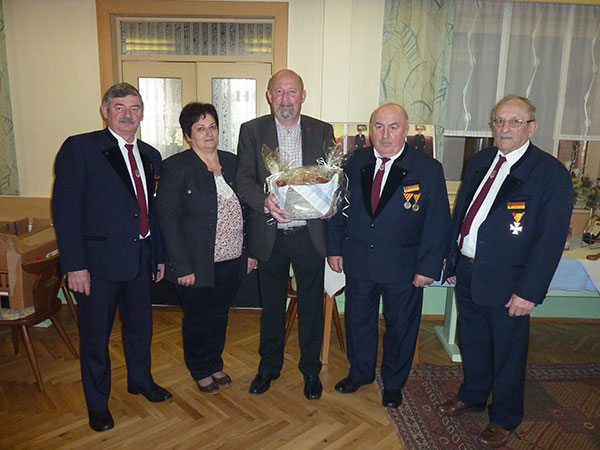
467,259
291,230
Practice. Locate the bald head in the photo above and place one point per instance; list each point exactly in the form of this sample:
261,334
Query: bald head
286,94
388,107
286,72
389,127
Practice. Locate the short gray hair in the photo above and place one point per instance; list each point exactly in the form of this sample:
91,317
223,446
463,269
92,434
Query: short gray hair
531,109
120,90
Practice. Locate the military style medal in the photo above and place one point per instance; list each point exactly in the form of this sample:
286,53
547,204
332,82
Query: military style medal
407,196
516,226
416,207
409,193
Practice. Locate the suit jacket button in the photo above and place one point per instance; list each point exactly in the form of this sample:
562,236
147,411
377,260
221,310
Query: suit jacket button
372,225
135,239
136,215
372,246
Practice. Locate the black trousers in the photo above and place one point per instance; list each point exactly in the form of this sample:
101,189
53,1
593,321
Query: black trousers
494,349
274,273
205,316
96,317
402,305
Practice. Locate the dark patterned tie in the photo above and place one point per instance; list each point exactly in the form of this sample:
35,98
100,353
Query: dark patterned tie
376,189
466,225
139,190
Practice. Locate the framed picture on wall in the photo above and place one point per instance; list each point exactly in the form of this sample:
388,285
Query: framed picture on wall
422,137
352,136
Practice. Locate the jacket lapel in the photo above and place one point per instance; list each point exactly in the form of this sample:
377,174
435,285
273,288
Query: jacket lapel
270,135
149,173
471,188
366,181
394,180
311,149
115,157
518,173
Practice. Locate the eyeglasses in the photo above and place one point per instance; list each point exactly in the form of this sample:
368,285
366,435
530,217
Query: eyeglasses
512,123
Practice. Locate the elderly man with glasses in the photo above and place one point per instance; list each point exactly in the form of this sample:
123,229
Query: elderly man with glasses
509,228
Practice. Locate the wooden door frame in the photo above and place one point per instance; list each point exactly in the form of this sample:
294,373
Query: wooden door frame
106,9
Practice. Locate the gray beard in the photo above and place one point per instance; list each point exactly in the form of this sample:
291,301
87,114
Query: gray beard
286,113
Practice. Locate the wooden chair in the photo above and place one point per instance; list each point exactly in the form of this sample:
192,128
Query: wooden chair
331,313
46,304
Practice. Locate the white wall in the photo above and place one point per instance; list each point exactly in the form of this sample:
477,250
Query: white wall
52,50
335,45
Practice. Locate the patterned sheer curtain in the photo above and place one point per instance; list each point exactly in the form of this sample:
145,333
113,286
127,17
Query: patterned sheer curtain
9,182
546,52
417,42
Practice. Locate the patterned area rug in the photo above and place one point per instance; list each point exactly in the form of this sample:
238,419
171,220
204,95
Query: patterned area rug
562,410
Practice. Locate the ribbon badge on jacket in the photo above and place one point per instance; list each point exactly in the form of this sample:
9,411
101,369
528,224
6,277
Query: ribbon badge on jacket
516,226
412,193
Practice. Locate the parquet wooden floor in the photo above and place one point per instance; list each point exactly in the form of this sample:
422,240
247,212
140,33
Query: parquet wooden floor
279,419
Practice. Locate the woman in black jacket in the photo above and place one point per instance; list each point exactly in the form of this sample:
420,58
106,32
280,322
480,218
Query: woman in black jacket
202,226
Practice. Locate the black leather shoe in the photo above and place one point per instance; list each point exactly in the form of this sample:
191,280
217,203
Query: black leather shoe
312,387
101,421
391,398
261,383
348,385
155,394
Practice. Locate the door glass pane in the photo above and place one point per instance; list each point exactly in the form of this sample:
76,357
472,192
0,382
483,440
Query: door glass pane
162,104
235,102
196,37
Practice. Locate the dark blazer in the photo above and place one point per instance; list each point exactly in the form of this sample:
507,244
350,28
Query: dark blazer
521,264
252,173
95,208
186,207
395,243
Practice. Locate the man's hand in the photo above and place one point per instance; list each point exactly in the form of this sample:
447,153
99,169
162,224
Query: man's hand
79,281
187,280
451,280
252,264
422,281
159,274
336,263
518,306
272,206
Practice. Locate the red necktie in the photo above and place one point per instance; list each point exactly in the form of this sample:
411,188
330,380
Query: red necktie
466,225
139,190
376,189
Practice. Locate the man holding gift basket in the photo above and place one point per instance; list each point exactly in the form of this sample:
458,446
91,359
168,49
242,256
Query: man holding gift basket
390,241
276,238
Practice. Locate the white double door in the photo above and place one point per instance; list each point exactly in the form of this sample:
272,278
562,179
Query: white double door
237,90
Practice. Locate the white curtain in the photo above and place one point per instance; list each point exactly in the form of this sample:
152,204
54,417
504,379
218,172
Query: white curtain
546,52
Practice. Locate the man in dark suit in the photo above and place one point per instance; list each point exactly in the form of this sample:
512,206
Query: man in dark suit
109,245
276,241
390,241
360,140
510,224
419,139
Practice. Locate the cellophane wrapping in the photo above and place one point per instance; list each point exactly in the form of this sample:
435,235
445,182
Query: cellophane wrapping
307,192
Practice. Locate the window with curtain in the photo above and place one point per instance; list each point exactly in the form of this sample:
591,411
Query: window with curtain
547,52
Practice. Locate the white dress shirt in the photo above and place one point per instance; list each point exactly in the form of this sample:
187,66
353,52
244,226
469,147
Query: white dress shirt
470,241
387,167
138,161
